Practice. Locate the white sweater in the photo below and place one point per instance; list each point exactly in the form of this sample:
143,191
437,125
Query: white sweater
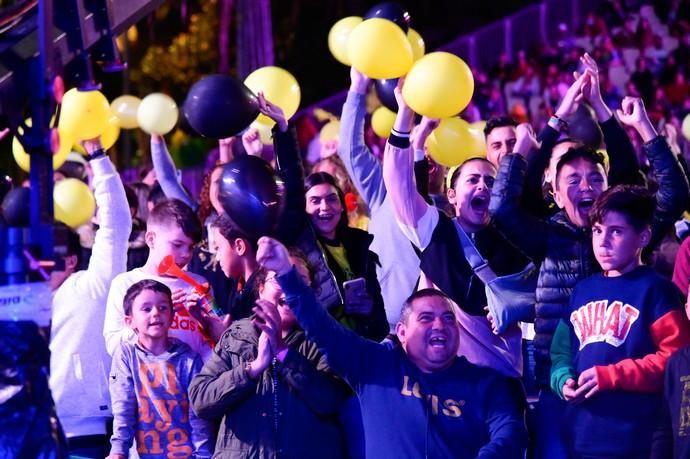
184,327
79,363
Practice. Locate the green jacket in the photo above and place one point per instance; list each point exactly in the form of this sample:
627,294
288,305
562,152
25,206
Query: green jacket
297,420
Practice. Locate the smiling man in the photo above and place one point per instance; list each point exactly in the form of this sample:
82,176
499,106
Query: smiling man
418,399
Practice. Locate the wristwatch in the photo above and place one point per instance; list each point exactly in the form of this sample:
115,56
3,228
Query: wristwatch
96,154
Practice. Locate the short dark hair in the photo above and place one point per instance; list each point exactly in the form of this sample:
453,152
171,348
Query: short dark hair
135,290
319,178
156,194
634,202
230,231
406,308
174,211
67,238
456,172
497,122
586,153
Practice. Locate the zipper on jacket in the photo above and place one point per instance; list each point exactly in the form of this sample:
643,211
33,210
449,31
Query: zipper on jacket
274,383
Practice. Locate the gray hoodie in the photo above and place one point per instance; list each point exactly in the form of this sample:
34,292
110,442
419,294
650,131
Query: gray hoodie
149,399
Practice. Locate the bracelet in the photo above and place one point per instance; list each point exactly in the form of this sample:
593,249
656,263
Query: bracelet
96,154
561,123
399,133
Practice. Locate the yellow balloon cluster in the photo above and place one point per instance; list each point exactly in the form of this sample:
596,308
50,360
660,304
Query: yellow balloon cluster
439,85
84,114
339,35
454,141
382,121
379,49
74,203
279,87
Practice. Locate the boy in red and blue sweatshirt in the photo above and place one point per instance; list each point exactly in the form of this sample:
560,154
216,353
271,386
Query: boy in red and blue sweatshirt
611,347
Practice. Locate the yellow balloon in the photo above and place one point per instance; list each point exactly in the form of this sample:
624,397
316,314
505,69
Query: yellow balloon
417,43
157,114
453,142
125,108
109,137
439,85
84,114
382,121
685,128
23,160
74,203
264,132
279,87
478,125
330,131
338,36
379,49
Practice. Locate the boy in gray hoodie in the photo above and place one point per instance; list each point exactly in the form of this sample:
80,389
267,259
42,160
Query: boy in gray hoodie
149,380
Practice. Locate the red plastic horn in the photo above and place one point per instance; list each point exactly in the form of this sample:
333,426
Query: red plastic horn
167,267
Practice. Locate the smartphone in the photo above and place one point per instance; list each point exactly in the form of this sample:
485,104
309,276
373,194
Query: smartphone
354,290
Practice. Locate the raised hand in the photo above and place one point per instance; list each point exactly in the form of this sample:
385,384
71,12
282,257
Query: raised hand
632,113
272,111
263,359
422,131
267,319
525,140
591,89
573,96
273,256
359,82
251,140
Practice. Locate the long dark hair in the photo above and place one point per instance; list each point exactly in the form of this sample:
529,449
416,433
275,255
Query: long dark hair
319,178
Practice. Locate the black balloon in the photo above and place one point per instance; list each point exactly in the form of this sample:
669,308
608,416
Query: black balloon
252,195
220,106
393,12
384,90
16,207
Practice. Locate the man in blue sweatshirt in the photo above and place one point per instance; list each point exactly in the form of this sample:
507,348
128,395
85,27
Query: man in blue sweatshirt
418,399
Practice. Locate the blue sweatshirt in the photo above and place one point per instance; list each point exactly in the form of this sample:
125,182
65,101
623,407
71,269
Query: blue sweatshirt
626,327
464,411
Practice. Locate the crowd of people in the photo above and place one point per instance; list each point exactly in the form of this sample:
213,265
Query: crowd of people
369,322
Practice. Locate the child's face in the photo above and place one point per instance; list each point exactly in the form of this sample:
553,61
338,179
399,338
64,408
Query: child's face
617,244
227,256
167,240
580,182
151,314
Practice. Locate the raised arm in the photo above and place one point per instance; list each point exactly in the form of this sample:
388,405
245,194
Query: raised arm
109,252
167,173
623,165
672,193
527,232
361,164
348,355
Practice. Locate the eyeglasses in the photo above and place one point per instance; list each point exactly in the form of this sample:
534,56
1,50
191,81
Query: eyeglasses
283,302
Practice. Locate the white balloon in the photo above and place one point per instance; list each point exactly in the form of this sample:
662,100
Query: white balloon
157,114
